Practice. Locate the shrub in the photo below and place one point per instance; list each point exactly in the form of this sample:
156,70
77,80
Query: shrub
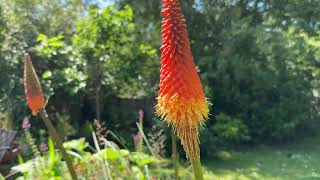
226,130
230,130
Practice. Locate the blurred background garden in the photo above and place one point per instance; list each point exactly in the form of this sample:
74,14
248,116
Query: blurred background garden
98,62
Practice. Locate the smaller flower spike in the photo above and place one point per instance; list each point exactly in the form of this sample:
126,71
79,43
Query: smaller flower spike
181,101
32,87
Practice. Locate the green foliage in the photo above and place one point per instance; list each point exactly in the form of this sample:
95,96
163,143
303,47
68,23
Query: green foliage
246,59
105,42
48,166
101,58
78,144
67,75
20,24
121,162
227,131
142,159
49,46
230,130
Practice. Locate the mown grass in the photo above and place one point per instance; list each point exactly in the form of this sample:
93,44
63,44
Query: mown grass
298,160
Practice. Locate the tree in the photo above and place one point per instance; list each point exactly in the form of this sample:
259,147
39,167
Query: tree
103,59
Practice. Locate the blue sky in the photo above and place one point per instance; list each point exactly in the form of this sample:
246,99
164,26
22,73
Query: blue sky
104,3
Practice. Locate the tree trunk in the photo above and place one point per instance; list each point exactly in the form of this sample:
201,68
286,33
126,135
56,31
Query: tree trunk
98,105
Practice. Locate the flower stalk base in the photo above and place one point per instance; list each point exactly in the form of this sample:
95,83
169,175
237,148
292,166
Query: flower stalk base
53,133
197,169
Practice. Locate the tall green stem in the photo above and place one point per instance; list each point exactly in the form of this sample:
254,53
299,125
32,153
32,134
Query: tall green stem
197,169
53,133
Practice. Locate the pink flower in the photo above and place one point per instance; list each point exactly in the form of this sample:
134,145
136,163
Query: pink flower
25,123
137,137
141,114
43,147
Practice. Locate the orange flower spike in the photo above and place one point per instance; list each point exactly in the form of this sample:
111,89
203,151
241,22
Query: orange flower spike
32,87
181,102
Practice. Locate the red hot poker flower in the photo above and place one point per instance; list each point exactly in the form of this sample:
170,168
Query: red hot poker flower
32,86
181,101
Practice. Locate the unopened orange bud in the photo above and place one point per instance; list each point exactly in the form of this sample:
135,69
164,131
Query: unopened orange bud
32,86
181,101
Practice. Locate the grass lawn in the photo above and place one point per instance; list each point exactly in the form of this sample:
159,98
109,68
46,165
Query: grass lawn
295,161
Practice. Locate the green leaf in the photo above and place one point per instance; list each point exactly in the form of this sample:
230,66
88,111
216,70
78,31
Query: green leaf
77,144
142,159
20,159
46,74
1,177
137,173
41,37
